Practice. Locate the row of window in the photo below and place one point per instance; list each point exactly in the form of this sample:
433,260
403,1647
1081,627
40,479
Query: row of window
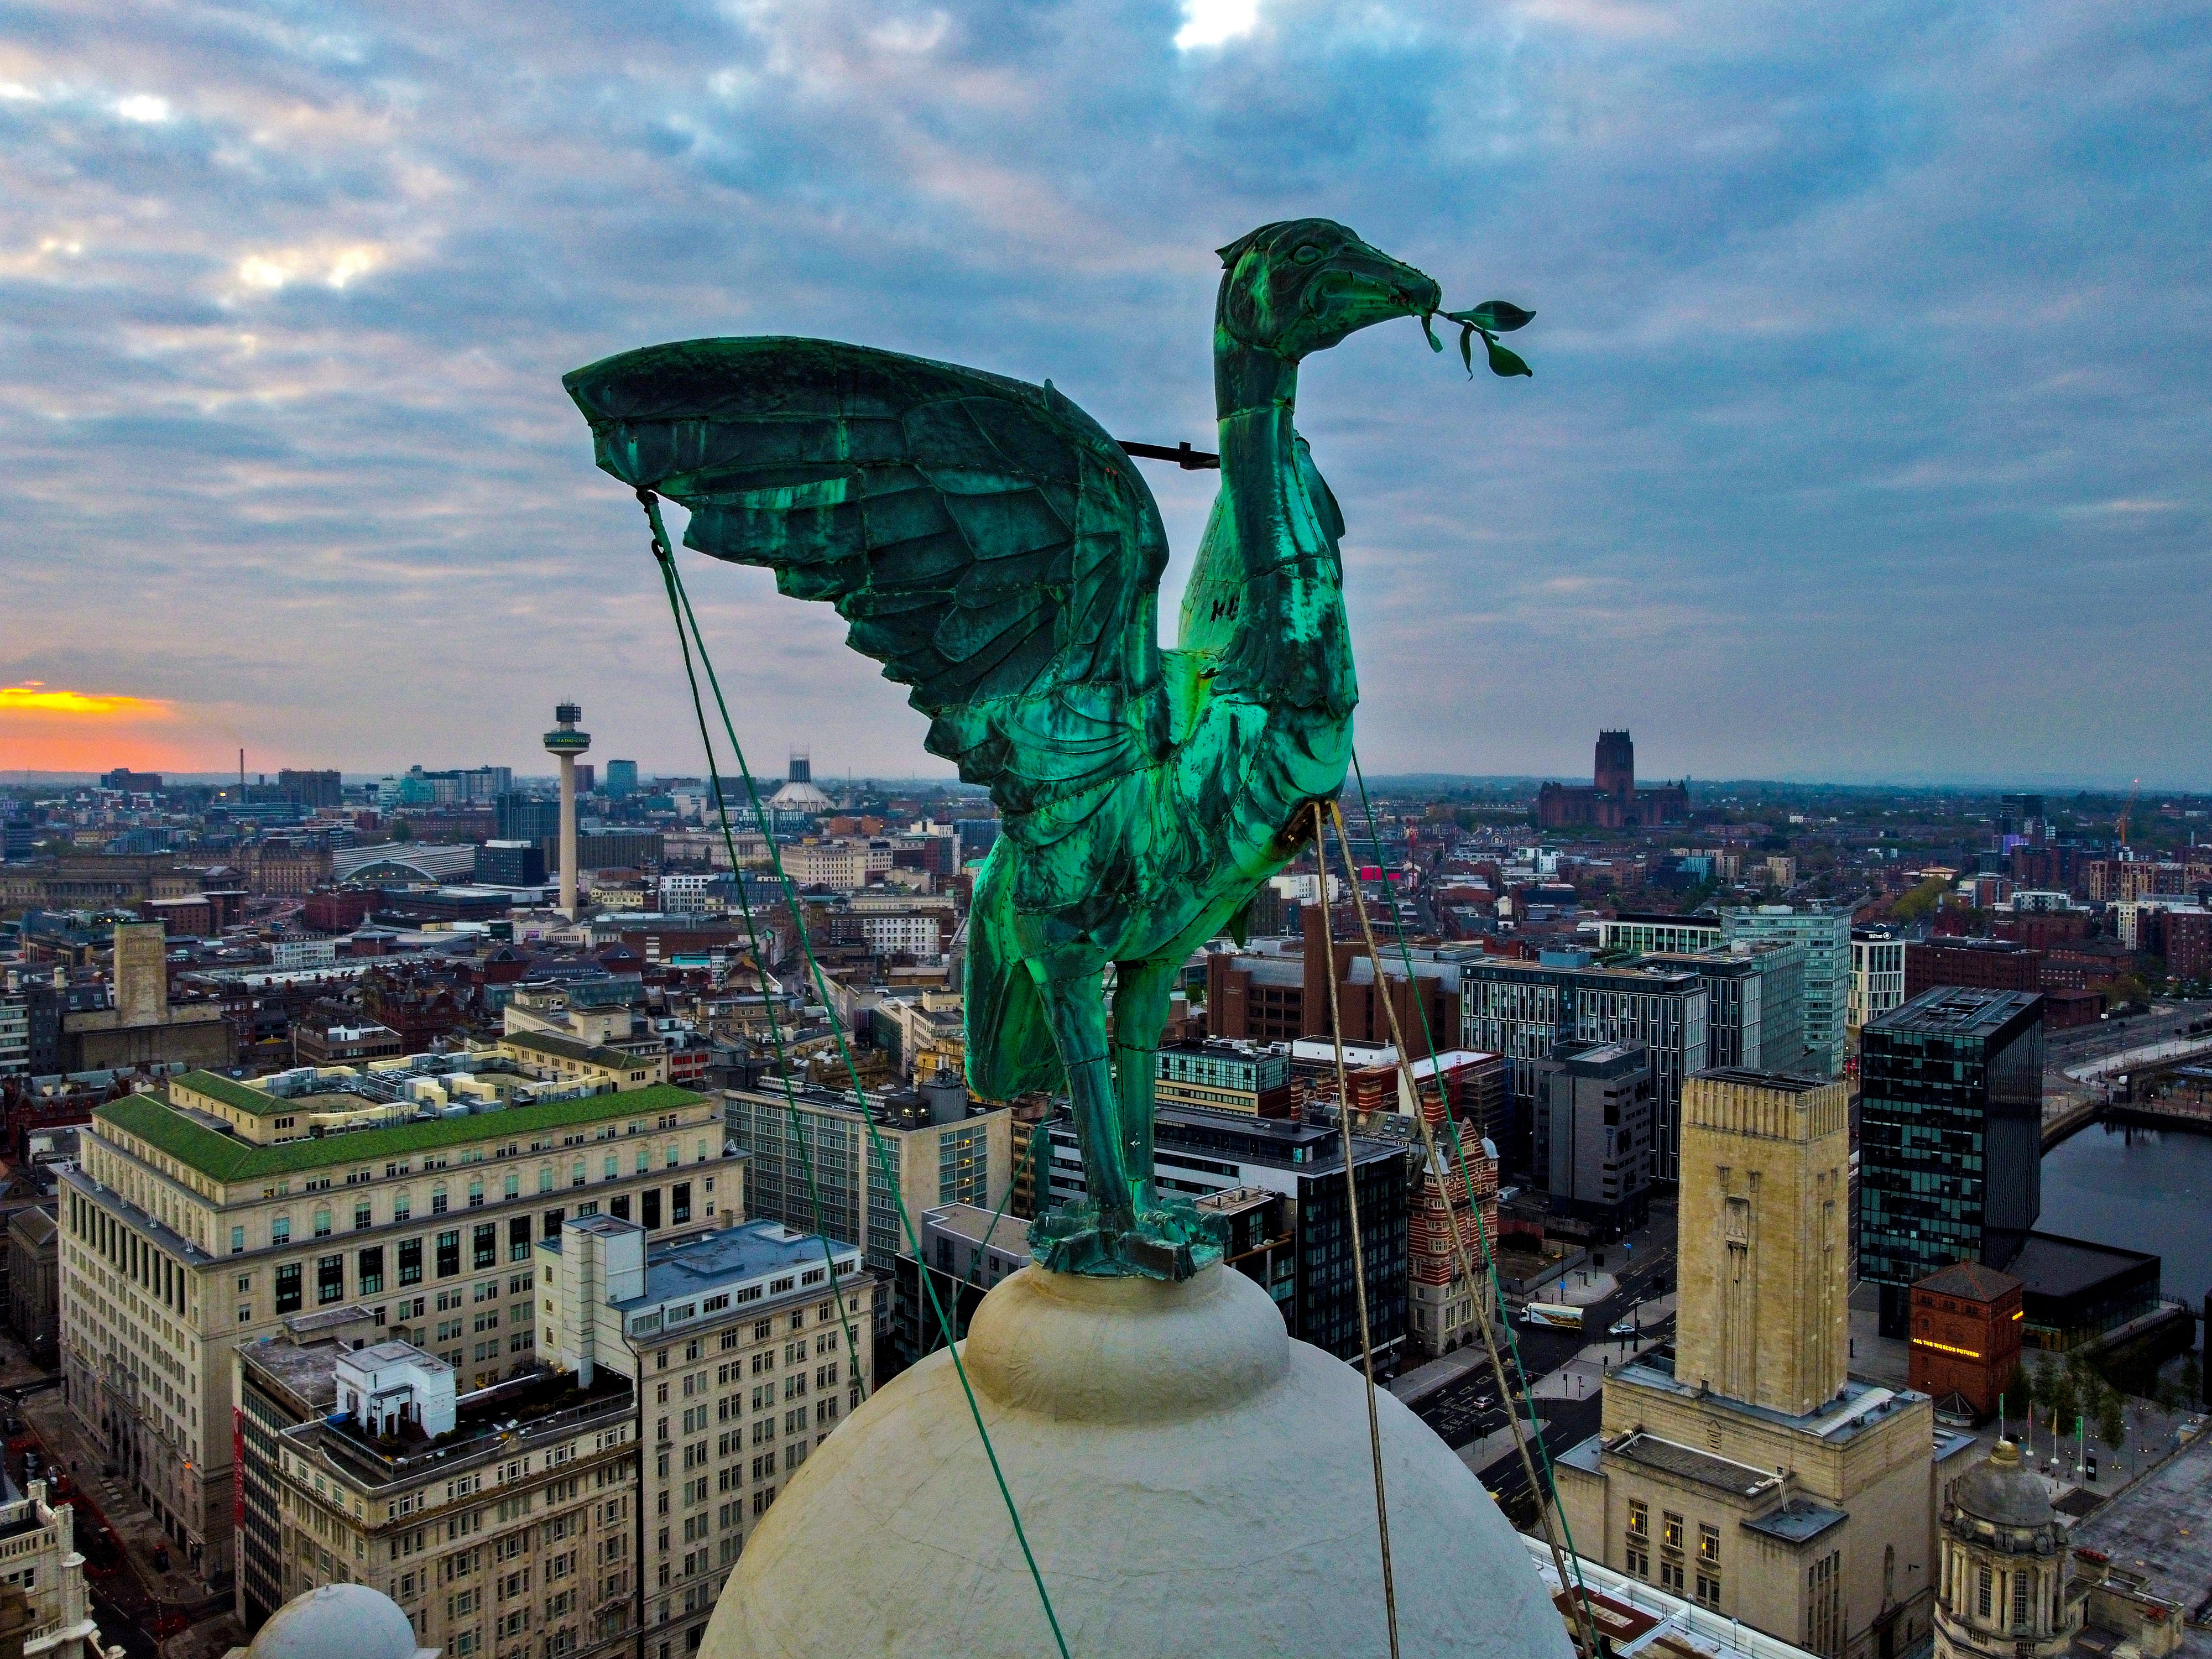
280,1228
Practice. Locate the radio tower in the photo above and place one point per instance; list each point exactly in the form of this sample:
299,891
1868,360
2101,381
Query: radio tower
567,742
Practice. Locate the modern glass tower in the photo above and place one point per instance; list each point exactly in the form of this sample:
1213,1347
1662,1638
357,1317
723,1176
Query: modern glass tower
1950,1137
1826,936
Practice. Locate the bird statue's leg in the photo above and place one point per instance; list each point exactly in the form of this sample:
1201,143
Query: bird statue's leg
1141,1009
1075,1008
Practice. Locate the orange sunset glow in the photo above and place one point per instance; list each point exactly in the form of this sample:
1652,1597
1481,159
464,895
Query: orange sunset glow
46,728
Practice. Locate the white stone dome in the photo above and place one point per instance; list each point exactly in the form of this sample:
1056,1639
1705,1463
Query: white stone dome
801,796
337,1621
1192,1482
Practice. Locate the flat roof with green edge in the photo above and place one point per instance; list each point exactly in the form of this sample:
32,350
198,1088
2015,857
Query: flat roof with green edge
551,1042
225,1157
244,1097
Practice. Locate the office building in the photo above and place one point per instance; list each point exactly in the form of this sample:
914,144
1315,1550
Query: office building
1525,1010
35,1284
1612,799
1749,1473
941,1147
1594,1141
532,819
218,1212
965,1250
319,791
1252,1077
1754,1002
1988,964
1950,1137
1198,1153
1877,978
2005,1584
1644,933
1826,936
746,1348
511,864
501,1520
621,779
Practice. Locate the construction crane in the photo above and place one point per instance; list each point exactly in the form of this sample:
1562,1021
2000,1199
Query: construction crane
2121,829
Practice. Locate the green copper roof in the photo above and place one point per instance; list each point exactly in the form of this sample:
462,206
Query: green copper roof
260,1102
226,1158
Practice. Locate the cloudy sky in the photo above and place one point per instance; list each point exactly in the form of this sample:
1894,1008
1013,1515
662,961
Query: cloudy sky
1867,439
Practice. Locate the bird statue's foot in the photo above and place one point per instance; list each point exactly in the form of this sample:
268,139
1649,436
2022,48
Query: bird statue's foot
1172,1241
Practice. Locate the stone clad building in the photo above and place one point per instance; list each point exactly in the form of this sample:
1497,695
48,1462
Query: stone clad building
1750,1474
413,1192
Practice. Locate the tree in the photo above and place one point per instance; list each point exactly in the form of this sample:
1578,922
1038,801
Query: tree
403,830
1921,901
2112,1419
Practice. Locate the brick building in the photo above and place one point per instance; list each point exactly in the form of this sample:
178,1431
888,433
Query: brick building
1966,1321
1984,964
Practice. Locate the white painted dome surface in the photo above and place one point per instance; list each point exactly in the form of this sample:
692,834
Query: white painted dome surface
1192,1482
337,1621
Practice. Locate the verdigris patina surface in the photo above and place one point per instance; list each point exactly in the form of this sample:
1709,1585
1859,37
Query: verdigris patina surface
996,551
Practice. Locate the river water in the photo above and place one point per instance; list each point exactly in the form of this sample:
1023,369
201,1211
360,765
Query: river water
2142,1189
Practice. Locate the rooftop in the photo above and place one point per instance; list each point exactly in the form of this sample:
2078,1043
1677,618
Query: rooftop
1956,1010
564,1047
2160,1530
490,1422
1781,1083
1739,1480
1857,1406
729,1255
1797,1522
2049,1264
225,1157
1970,1281
1007,1233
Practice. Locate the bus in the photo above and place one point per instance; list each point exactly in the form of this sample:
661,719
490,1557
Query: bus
1554,1315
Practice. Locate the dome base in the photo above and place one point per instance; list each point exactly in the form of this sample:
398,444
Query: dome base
1191,1481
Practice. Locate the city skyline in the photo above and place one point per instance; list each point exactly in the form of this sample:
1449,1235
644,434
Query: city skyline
1862,445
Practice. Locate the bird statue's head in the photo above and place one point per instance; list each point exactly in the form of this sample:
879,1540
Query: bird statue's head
1303,285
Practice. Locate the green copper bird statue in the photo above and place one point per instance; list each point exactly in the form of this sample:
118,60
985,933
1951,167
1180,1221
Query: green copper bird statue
996,551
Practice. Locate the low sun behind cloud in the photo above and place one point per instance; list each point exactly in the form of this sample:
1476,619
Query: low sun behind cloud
46,728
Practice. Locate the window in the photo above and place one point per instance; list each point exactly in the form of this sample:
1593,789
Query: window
2021,1583
362,1216
649,1204
1982,1593
280,1231
449,1255
287,1289
411,1263
403,1206
322,1223
438,1198
371,1270
618,1206
1709,1591
475,1192
1708,1545
329,1280
1670,1530
237,1241
680,1203
611,1169
484,1247
514,1184
550,1227
517,1239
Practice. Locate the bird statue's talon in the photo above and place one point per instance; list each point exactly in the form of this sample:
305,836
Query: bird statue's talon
1172,1241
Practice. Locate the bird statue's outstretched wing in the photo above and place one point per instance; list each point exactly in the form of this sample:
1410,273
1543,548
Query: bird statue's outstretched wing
990,545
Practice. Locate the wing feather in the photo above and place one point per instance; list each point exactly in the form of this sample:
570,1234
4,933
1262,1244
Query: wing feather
988,543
